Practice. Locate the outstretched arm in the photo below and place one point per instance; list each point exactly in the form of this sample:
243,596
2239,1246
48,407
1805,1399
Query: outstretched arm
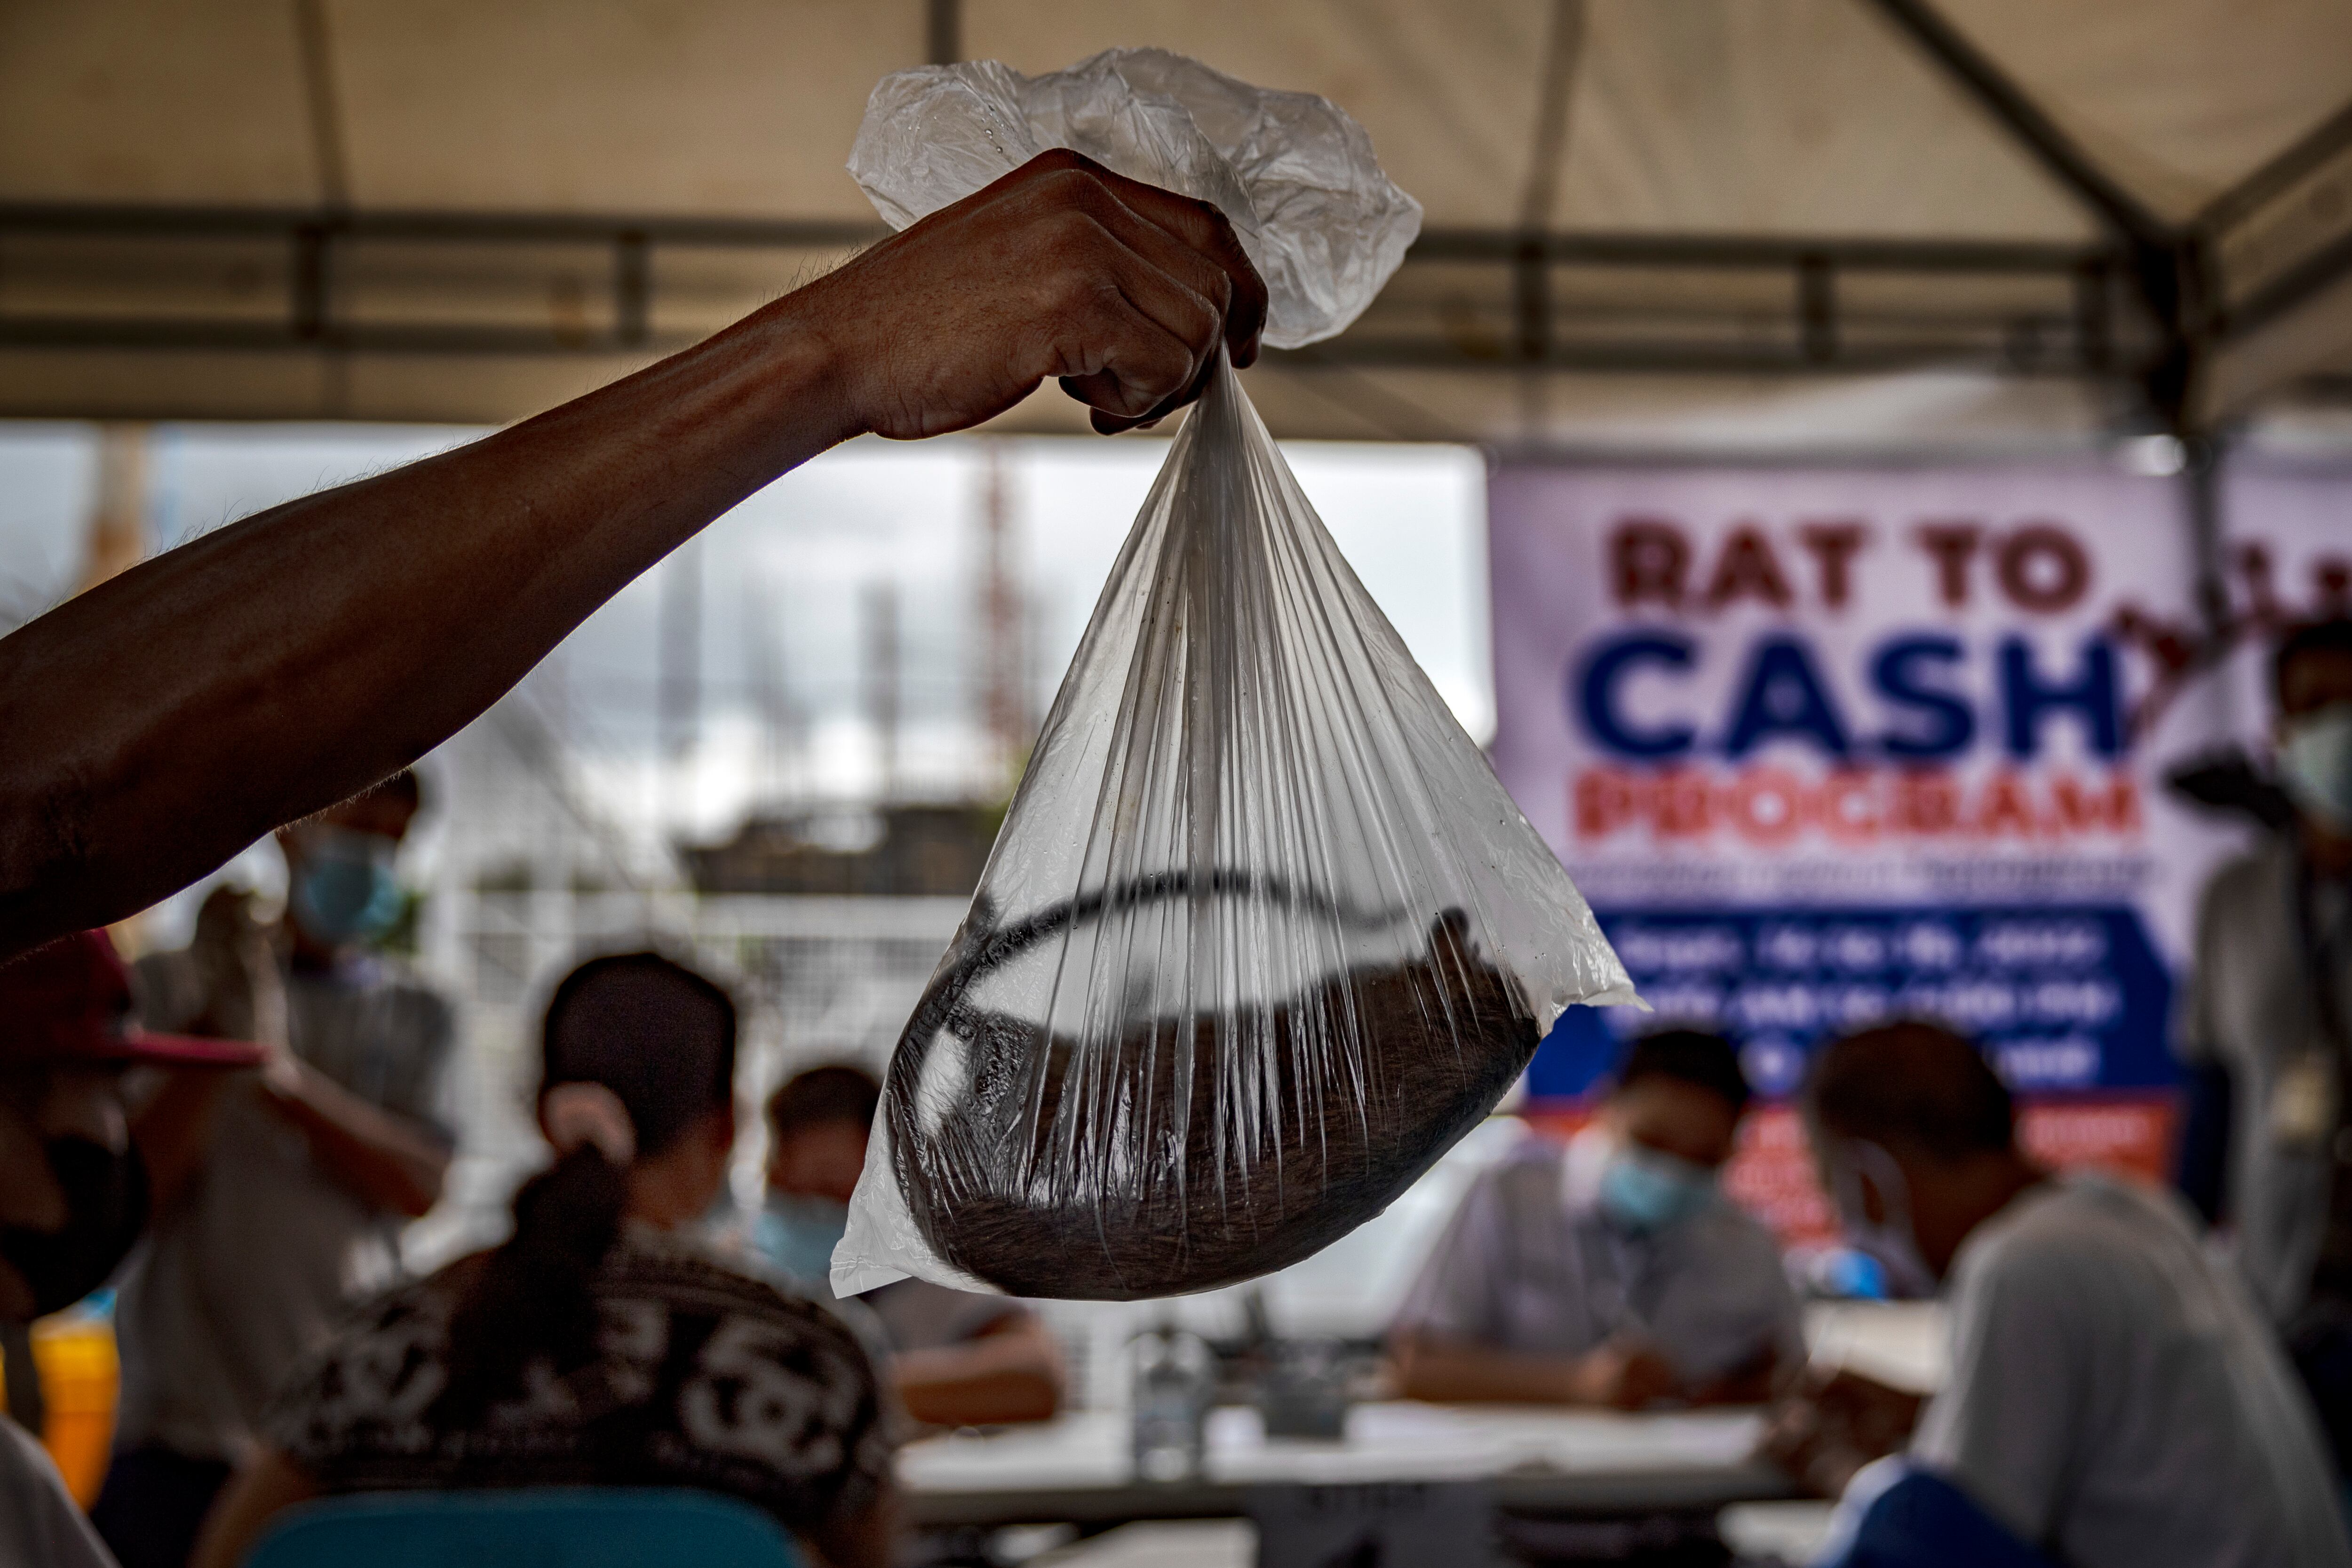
1621,1375
156,725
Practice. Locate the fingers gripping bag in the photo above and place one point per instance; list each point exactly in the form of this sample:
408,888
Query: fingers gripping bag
1262,936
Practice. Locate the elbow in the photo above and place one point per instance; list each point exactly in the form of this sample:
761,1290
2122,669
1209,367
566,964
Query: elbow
417,1195
1409,1368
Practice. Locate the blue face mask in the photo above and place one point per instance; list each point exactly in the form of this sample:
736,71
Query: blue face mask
344,888
797,1234
1644,1191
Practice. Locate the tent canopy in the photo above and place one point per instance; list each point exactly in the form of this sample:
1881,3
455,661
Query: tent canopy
2032,217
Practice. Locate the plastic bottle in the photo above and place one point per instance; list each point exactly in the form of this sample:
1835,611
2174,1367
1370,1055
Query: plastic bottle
1175,1381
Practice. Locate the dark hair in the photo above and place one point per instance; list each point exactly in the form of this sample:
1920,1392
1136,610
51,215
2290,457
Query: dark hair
836,1092
404,785
1914,1083
1688,1056
2333,635
662,1038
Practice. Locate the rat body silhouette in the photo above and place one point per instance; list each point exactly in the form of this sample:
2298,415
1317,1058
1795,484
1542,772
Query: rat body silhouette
1199,1149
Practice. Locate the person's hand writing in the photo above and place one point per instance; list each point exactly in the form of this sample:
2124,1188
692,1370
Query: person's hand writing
1621,1375
1834,1423
1063,268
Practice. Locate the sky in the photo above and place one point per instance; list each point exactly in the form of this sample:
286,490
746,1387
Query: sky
783,581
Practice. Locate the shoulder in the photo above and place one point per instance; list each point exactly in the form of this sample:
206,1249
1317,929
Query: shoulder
1724,1230
920,1315
686,1276
2253,883
1531,1171
2059,1242
39,1521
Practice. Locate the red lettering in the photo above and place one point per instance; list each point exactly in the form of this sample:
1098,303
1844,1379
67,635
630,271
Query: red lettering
1747,569
1600,803
1647,559
1926,803
2042,569
1767,805
1681,803
1834,545
2005,808
1952,545
2084,809
1847,806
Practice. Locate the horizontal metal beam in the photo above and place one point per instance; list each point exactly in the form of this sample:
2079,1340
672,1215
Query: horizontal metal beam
1759,252
1672,359
1435,244
312,305
167,336
489,227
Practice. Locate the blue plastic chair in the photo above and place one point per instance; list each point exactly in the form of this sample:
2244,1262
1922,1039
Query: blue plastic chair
565,1527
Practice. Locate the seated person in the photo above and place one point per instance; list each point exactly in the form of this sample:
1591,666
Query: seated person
1611,1271
73,1187
957,1358
597,1347
2113,1398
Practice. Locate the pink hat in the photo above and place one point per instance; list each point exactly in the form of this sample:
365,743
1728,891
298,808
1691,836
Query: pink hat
70,1002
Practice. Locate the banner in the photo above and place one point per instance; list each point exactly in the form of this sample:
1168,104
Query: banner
1825,748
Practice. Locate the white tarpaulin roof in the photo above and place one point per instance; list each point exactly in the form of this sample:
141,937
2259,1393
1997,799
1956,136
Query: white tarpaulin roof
1640,214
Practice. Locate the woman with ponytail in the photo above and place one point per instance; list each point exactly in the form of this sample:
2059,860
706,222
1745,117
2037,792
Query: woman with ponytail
598,1346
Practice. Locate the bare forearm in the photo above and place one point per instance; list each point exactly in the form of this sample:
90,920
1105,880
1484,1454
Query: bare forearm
866,1539
1453,1371
159,724
300,656
174,1130
265,1485
384,1159
1015,1375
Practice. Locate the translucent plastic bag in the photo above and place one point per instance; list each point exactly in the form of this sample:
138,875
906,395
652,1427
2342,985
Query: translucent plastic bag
1262,936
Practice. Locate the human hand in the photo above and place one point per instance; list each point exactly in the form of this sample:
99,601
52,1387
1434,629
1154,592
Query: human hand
1834,1423
1623,1375
1120,289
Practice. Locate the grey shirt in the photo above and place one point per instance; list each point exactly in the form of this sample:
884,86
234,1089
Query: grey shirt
920,1316
2249,1007
1530,1264
40,1524
2117,1399
256,1261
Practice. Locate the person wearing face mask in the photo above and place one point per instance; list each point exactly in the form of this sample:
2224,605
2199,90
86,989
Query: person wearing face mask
956,1358
602,1345
2266,1034
1612,1271
2115,1398
280,1192
74,1192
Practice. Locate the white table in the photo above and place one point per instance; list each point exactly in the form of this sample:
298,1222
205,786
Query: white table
1078,1468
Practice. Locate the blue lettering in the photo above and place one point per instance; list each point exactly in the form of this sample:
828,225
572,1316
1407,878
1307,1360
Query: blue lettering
2092,694
1946,723
1784,696
1597,694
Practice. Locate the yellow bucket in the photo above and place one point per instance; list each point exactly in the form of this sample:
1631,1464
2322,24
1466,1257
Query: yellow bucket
81,1380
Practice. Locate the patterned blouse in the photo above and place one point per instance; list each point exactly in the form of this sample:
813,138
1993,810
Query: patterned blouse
707,1379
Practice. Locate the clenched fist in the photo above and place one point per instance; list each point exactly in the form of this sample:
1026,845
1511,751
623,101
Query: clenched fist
1120,291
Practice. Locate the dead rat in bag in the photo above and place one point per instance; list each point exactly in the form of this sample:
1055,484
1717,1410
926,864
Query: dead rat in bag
1151,1169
